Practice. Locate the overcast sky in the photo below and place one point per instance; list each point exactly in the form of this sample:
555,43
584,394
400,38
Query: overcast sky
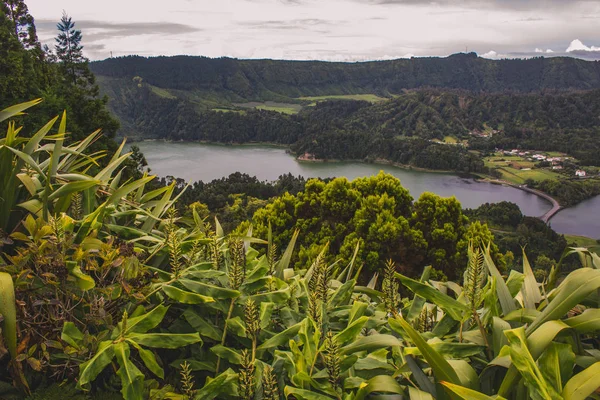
336,30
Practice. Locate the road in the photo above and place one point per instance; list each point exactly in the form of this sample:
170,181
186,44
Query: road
556,207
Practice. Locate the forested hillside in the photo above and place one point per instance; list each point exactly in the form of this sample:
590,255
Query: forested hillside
274,80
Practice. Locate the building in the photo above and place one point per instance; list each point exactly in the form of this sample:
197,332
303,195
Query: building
580,173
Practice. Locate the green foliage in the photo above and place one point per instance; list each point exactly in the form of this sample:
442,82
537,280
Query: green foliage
131,297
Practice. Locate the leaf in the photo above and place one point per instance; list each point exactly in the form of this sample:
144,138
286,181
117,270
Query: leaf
165,340
185,297
216,386
416,394
226,353
466,393
205,289
282,337
149,360
89,370
370,343
530,290
143,323
302,394
131,377
71,334
583,384
287,256
586,322
351,332
506,300
378,384
522,359
442,370
201,325
557,361
452,307
84,282
17,109
8,311
574,289
236,326
418,302
72,187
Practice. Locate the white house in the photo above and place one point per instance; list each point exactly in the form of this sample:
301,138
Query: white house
580,173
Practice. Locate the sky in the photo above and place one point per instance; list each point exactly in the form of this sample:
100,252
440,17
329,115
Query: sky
331,30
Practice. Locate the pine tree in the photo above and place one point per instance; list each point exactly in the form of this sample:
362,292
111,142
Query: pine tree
69,49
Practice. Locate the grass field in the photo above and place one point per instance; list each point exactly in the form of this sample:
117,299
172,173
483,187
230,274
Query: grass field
514,169
373,98
581,241
162,92
450,139
228,110
284,108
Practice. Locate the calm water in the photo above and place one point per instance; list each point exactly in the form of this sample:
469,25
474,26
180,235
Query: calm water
195,161
583,219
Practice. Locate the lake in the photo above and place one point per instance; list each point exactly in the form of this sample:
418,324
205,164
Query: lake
198,161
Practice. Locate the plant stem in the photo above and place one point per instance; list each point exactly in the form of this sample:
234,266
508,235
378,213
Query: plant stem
483,334
225,335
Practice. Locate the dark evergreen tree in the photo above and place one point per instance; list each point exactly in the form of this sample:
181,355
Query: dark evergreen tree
68,48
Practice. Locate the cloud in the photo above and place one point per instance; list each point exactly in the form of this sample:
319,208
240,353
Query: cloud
490,54
578,46
98,30
519,5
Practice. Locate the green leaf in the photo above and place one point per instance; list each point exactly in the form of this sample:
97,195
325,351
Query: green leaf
557,361
165,340
522,359
586,322
143,323
351,331
370,343
441,368
205,289
529,290
226,353
72,187
378,384
282,337
89,370
466,393
17,109
417,394
574,289
302,394
186,297
84,282
132,378
201,325
452,307
506,300
287,256
583,384
8,311
221,384
149,360
418,302
71,334
236,326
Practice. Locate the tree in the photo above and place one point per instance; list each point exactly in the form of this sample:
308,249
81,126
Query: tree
69,49
22,22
